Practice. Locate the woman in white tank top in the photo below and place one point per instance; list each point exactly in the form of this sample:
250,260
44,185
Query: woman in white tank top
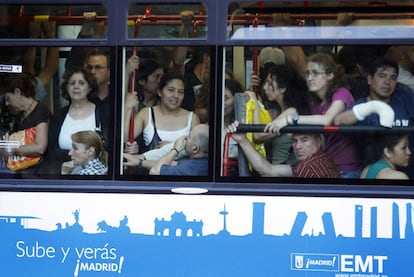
171,121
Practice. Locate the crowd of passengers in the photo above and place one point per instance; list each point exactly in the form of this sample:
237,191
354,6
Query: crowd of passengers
364,85
166,111
74,139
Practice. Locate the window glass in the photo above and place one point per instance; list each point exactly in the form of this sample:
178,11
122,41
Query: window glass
47,95
53,21
319,20
297,90
167,21
166,111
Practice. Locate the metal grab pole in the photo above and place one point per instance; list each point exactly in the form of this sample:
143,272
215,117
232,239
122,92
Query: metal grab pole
343,129
132,83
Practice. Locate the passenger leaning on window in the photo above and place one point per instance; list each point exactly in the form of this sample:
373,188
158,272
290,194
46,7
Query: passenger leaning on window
313,162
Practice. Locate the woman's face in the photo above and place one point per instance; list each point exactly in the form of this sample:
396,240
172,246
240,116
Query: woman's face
400,154
316,77
153,81
79,154
228,102
271,89
172,94
78,88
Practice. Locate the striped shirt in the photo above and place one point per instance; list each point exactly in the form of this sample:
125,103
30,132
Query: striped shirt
319,165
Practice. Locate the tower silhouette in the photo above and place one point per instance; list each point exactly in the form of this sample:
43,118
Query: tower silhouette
358,221
298,225
374,225
409,232
395,221
224,213
258,218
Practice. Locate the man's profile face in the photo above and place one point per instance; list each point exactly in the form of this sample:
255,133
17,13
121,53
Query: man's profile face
383,83
305,145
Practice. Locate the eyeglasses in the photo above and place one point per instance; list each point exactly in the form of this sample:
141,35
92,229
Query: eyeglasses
96,67
313,73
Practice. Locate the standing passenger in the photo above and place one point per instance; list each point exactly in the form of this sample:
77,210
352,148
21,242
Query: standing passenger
329,97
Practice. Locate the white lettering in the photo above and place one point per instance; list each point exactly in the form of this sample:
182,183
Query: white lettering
65,253
357,263
36,251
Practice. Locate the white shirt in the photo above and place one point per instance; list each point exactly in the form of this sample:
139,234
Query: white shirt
71,126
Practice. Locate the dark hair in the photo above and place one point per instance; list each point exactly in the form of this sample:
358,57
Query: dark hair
167,77
329,65
382,63
203,102
374,149
233,86
98,52
86,74
296,90
197,57
146,68
26,82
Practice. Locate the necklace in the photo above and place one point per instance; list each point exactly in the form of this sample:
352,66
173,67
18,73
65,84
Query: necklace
26,113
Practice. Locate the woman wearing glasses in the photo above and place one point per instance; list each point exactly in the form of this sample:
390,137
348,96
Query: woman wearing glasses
328,97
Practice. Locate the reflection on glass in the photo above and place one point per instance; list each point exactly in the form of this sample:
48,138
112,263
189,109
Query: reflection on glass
166,21
52,21
313,20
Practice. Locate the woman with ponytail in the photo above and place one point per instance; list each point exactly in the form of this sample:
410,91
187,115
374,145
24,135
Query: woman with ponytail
328,96
88,156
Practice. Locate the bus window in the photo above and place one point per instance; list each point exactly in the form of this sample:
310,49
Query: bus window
167,21
310,21
166,110
35,21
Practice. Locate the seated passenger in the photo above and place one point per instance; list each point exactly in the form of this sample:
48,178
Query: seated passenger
313,162
19,92
88,157
195,145
389,153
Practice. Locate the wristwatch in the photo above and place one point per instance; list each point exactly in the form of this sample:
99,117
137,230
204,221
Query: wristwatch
295,119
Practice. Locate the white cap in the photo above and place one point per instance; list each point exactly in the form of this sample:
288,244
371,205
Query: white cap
271,54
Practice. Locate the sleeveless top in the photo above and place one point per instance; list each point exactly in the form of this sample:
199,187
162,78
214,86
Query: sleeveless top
164,135
375,168
71,126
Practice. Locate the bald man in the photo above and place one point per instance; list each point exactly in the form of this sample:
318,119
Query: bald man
196,145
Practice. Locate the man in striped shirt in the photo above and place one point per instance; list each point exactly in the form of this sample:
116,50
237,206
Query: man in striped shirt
313,162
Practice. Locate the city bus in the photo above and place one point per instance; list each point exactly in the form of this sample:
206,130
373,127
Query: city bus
132,220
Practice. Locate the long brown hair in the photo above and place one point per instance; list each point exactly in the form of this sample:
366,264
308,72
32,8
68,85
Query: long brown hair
330,66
